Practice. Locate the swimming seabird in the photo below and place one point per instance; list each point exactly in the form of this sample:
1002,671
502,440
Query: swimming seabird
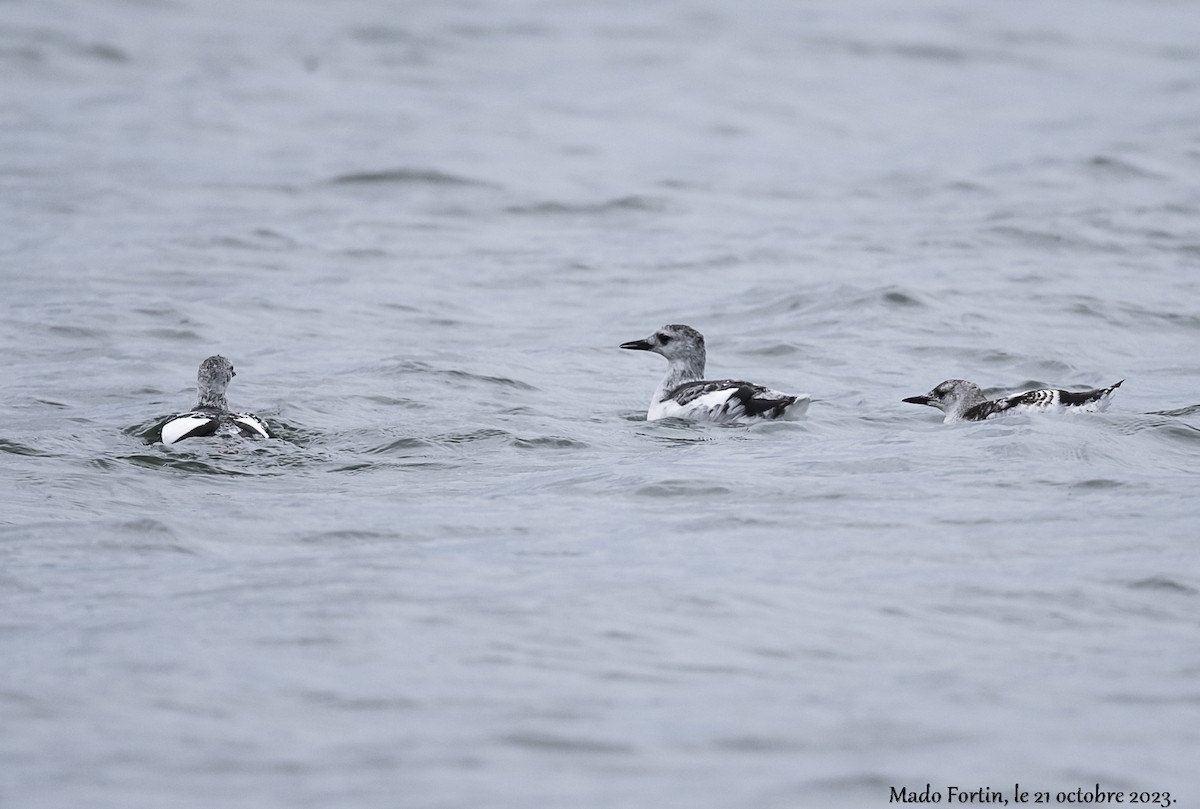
211,414
964,401
684,393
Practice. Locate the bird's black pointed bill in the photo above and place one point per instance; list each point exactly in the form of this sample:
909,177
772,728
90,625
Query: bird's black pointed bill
918,400
637,345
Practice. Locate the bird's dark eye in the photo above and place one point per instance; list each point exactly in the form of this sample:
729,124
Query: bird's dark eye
664,338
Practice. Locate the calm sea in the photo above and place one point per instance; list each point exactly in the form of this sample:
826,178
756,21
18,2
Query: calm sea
467,572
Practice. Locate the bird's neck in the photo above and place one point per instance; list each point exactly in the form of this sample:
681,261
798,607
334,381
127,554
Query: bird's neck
969,401
210,399
681,371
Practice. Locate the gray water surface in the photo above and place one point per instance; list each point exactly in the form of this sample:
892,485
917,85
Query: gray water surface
467,572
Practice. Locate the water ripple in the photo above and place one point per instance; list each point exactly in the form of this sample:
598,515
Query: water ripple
14,448
631,203
1164,584
558,743
407,176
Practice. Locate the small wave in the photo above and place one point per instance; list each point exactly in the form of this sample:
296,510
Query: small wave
1033,238
382,34
896,297
78,331
1185,320
758,744
552,208
184,464
407,176
175,335
147,526
406,366
1162,583
344,535
547,442
286,431
683,488
928,52
474,436
103,52
1190,410
43,43
709,261
1178,431
564,744
149,432
1121,168
842,298
922,51
431,450
477,30
14,448
1098,483
492,380
775,350
494,436
401,446
261,239
392,401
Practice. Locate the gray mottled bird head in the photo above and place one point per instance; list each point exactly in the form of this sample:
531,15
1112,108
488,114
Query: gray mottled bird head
677,343
953,397
212,380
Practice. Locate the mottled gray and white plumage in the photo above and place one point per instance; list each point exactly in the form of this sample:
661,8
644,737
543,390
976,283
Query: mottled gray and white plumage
961,400
684,393
211,415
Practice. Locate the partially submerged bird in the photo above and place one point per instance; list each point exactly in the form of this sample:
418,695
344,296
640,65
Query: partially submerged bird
211,414
684,393
964,401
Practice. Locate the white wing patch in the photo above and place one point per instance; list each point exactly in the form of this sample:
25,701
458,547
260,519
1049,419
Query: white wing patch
723,405
1032,401
708,406
251,423
188,425
181,426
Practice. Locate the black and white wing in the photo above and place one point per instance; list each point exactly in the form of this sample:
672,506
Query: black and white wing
199,424
1046,399
1043,399
727,400
189,425
250,425
1090,401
